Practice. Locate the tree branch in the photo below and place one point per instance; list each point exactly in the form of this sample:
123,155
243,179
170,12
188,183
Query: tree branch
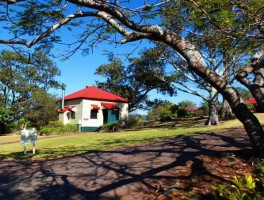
190,90
50,30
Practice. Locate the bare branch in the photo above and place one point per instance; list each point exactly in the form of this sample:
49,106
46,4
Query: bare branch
50,30
190,90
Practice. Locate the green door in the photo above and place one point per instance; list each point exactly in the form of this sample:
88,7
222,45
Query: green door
113,116
105,115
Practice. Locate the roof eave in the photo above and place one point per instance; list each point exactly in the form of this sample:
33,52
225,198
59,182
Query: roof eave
120,101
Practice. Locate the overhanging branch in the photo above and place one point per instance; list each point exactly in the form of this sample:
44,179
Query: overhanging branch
49,30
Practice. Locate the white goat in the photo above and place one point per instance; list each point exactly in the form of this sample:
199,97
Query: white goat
28,136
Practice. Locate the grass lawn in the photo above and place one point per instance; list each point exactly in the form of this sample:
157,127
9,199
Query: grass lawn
72,144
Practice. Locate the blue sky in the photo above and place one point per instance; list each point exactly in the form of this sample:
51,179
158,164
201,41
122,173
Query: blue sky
78,71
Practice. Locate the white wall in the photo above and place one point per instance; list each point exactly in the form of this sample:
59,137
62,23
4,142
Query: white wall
86,114
83,112
78,114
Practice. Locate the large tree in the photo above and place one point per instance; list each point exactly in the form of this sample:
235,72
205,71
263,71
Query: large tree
41,109
20,78
137,78
189,82
132,24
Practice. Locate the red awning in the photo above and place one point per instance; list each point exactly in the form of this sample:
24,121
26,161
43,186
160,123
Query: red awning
95,107
251,101
110,106
66,108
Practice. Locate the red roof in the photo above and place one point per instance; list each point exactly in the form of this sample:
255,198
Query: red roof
91,92
251,101
192,108
110,106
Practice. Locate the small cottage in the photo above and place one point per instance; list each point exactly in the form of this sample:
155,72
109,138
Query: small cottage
92,107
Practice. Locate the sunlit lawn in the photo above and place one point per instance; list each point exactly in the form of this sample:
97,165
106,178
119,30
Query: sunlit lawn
72,144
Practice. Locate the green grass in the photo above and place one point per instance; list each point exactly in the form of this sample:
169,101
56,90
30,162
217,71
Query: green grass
72,144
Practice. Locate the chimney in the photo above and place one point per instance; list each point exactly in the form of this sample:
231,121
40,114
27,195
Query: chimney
63,94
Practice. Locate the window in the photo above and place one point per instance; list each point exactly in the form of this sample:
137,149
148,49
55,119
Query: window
72,115
68,115
94,114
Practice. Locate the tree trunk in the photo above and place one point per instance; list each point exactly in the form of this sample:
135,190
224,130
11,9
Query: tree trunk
247,118
213,118
256,87
196,64
226,110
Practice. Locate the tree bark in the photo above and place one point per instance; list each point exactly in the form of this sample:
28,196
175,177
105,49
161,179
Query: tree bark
196,64
213,118
226,110
256,87
258,60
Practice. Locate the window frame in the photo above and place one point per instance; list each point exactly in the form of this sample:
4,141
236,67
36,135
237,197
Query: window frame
94,114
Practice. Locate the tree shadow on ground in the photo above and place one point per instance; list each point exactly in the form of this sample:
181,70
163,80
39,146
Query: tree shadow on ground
128,173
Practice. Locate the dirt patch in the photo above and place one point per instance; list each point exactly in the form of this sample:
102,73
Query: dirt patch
179,168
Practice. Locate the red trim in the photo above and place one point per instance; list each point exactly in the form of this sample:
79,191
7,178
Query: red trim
66,108
110,106
95,107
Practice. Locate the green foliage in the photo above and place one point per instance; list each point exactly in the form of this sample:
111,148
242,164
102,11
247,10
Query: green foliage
249,187
31,16
205,107
216,18
6,116
186,103
182,112
22,79
134,121
164,111
23,122
137,79
42,109
111,127
58,128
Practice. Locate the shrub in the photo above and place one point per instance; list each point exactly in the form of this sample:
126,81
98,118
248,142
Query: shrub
249,187
11,127
164,111
111,127
133,121
57,128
